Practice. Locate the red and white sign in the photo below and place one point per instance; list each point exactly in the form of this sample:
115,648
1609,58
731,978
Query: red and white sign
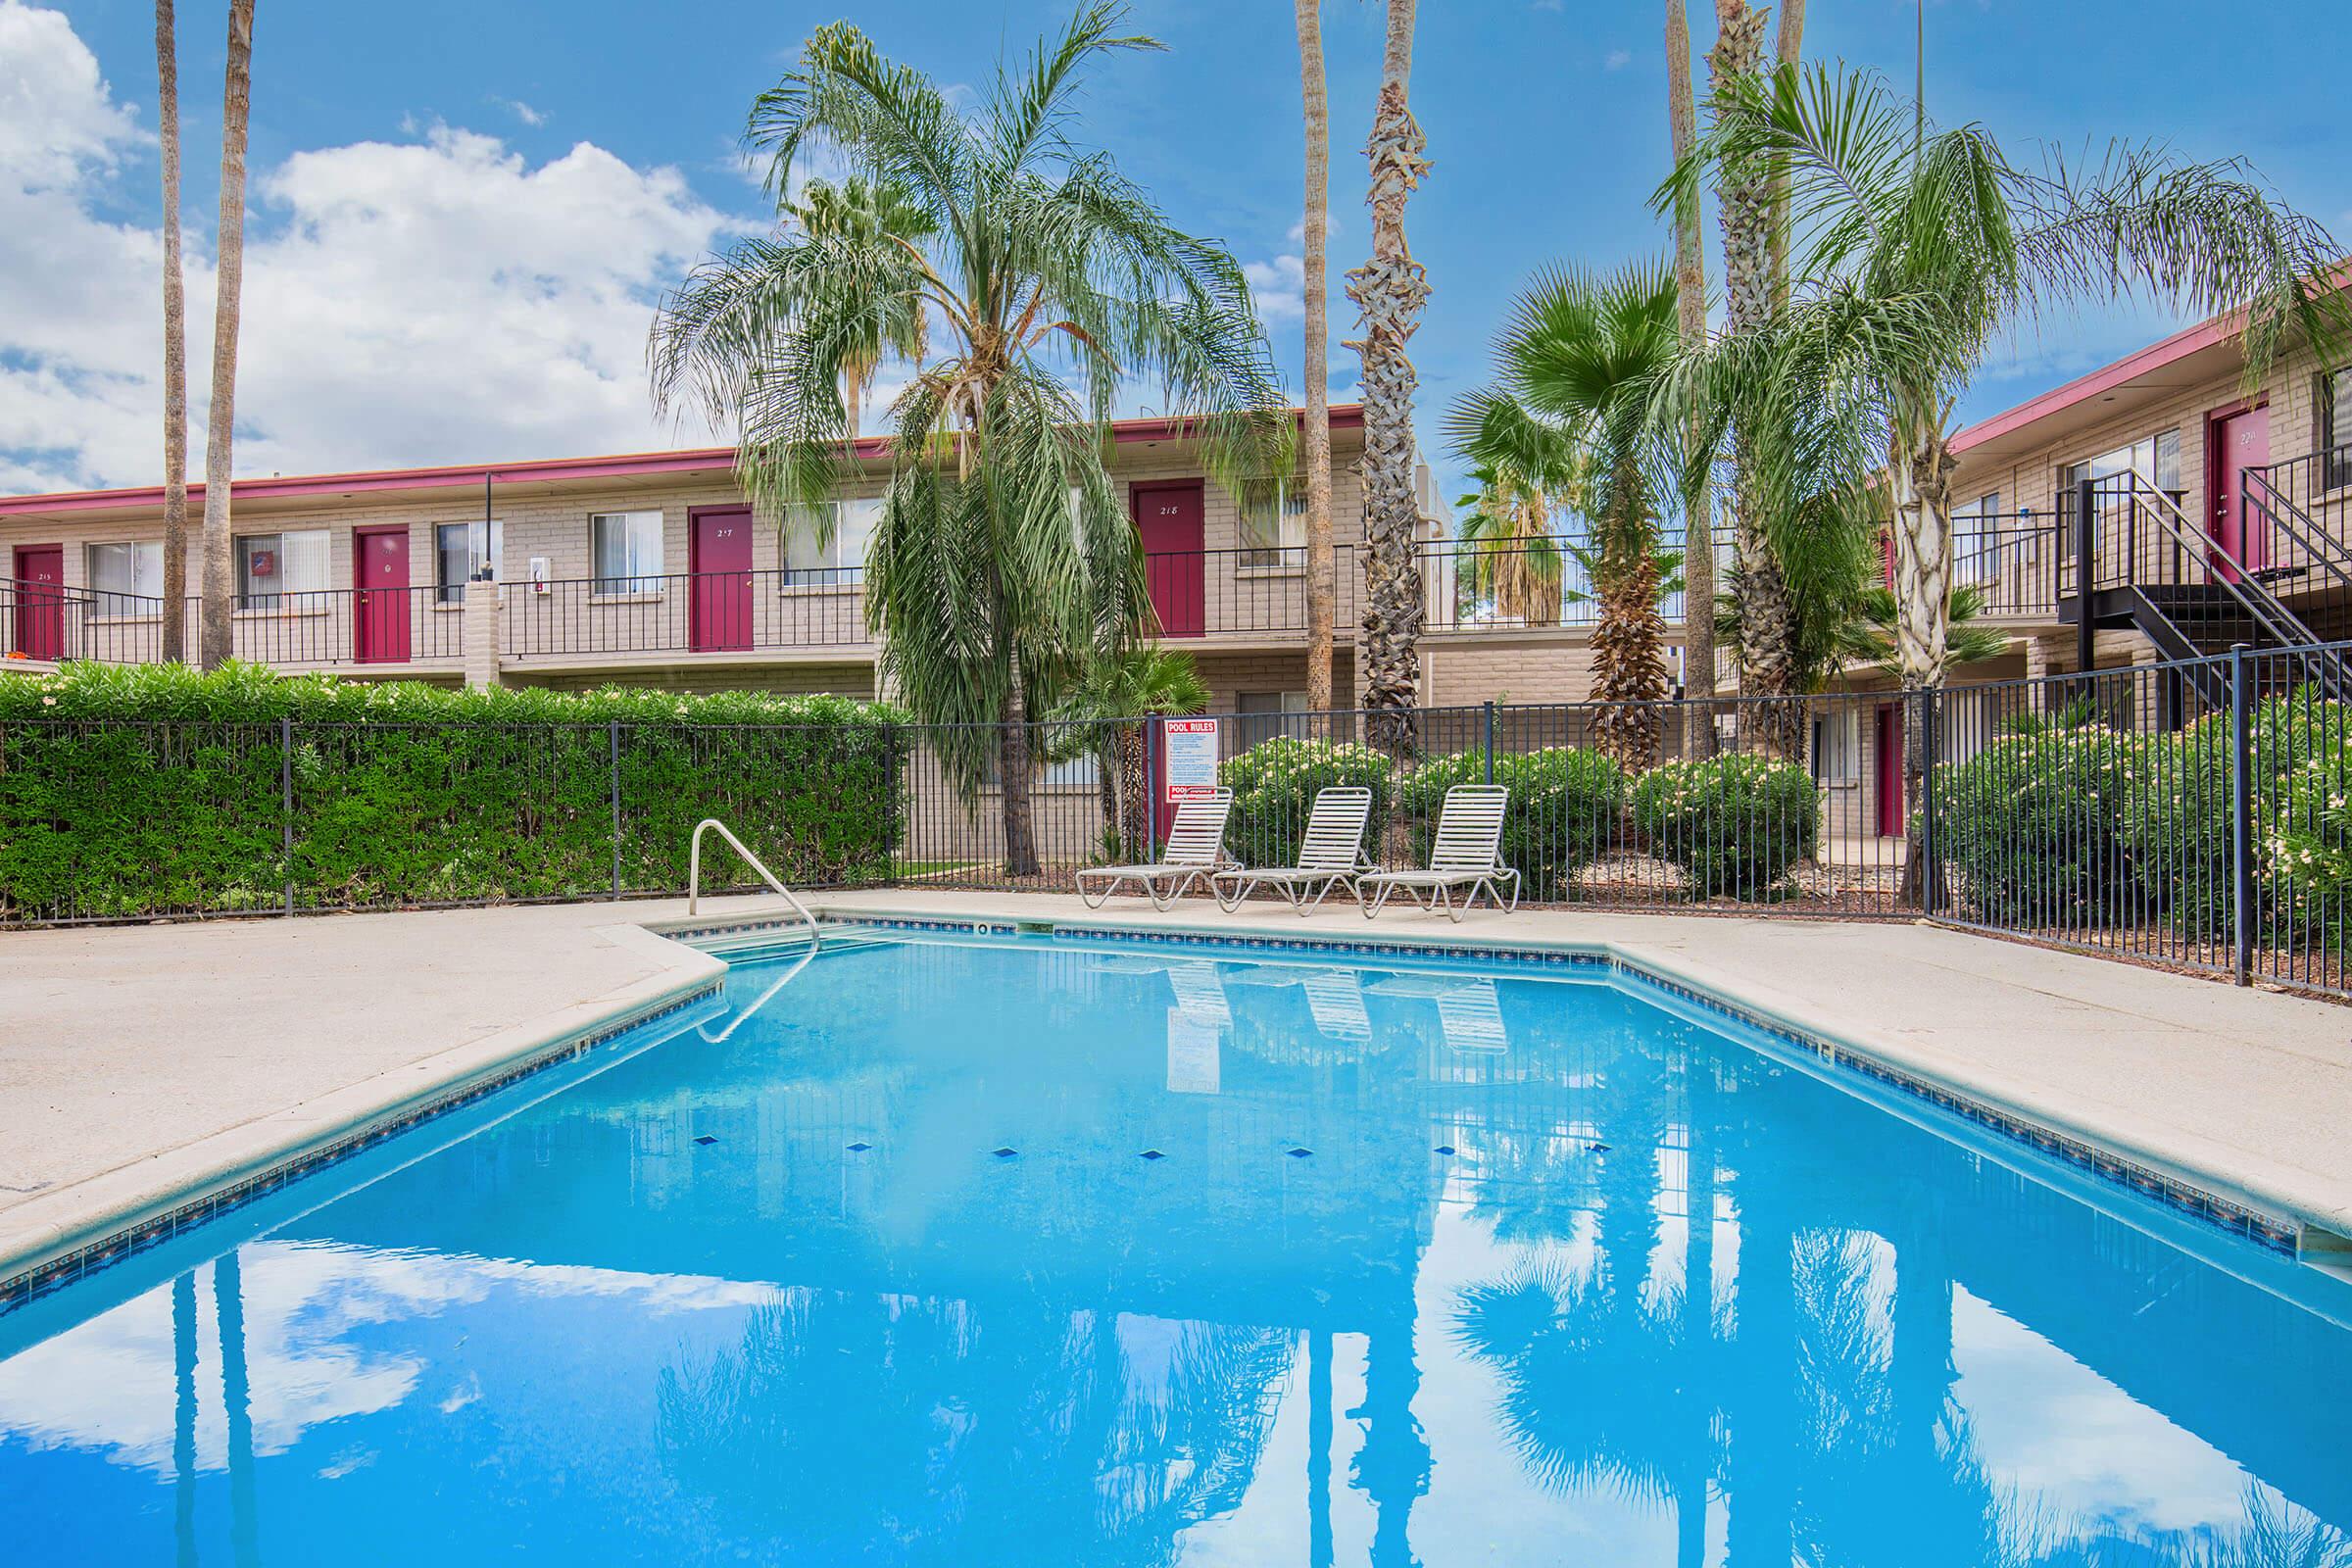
1189,758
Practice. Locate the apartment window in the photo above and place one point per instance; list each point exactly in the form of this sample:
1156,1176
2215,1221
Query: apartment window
1837,745
463,552
1976,538
273,570
1274,529
127,578
825,546
2335,428
2155,458
1263,716
626,549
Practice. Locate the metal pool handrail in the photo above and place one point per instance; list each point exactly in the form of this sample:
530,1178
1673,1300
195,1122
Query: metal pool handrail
694,873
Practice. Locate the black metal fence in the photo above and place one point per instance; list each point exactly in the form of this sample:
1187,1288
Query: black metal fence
2196,815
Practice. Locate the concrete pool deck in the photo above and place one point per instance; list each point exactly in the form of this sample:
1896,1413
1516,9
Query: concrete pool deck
139,1065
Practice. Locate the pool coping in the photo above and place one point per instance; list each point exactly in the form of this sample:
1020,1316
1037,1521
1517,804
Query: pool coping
106,1217
55,1237
2238,1203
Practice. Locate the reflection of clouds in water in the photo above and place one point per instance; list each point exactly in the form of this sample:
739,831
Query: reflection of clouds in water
108,1385
2057,1431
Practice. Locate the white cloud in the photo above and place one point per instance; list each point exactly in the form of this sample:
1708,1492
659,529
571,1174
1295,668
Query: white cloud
521,111
1618,60
1280,286
434,300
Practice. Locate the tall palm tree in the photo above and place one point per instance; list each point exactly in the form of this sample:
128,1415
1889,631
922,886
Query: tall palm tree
175,347
860,211
236,109
1389,291
1691,315
1322,576
1106,711
1923,246
1003,555
1577,366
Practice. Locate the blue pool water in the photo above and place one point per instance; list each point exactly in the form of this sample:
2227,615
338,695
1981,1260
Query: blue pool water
881,1271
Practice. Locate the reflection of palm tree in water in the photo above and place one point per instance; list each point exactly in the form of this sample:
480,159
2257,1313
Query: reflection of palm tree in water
898,1430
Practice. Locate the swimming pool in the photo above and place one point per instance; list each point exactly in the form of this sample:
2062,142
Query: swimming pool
1041,1250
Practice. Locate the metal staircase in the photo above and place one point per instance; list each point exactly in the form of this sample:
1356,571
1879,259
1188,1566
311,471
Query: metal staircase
2140,561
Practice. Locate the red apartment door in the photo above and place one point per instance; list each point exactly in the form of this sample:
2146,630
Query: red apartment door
1889,771
41,600
2240,441
1168,517
720,555
380,568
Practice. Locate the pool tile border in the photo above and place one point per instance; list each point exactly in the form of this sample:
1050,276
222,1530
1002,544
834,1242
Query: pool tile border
2269,1231
61,1271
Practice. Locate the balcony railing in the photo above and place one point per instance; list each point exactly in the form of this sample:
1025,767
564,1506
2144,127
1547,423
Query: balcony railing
708,613
324,629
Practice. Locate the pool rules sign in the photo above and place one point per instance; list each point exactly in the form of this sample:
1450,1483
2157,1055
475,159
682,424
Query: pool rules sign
1189,769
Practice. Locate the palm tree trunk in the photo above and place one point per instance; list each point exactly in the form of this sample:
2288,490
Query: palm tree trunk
1012,777
1135,825
175,349
1389,291
1690,313
236,109
1767,632
1322,576
1628,669
1788,50
1921,476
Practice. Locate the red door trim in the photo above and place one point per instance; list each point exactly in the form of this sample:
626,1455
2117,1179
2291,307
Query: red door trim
716,622
2216,460
39,619
364,650
1178,594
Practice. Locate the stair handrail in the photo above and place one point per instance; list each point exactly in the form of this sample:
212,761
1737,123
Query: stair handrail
694,873
2285,626
2287,518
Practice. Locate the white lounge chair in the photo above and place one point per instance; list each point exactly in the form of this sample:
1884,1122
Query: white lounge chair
1467,855
1195,848
1331,856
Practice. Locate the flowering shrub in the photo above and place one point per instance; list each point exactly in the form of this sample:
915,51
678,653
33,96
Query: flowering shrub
1565,809
1274,786
2029,826
2179,806
154,789
1736,825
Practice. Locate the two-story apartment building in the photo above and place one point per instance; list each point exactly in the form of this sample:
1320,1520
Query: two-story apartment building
651,569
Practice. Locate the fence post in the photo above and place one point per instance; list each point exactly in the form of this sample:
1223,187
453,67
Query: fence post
285,798
2086,569
2241,821
1930,892
1489,779
1155,769
890,796
615,731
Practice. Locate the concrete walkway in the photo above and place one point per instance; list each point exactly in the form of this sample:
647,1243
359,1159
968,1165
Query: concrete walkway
138,1063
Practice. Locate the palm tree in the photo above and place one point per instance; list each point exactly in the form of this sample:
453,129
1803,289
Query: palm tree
1322,576
1003,555
1506,543
1923,247
1389,291
1105,713
236,108
1691,315
1577,366
175,347
859,211
1745,193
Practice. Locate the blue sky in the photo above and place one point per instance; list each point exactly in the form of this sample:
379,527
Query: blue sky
462,211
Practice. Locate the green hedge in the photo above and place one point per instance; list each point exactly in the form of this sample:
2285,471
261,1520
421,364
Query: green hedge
1565,811
1736,826
2030,826
156,789
1274,785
